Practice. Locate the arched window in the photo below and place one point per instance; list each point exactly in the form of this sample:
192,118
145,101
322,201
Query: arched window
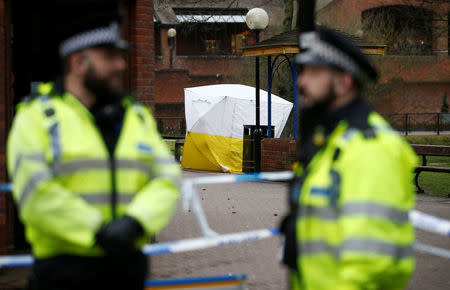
406,30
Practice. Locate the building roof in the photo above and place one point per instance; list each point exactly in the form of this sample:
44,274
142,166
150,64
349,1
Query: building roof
166,11
165,15
287,43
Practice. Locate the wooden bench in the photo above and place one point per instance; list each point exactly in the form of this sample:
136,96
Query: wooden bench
429,150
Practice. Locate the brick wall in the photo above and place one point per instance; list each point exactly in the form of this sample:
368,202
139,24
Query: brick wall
417,83
197,71
6,226
420,81
277,154
3,72
169,85
413,98
202,64
141,37
346,14
4,87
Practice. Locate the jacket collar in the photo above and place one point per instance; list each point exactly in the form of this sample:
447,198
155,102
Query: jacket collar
355,113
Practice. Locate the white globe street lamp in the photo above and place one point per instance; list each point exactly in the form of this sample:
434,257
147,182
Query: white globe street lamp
171,33
257,20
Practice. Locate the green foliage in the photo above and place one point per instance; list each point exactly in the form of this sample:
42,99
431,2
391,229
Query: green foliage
288,14
429,139
444,108
283,87
170,144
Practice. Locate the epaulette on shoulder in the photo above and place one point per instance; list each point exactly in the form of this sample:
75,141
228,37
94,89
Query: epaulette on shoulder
32,97
134,104
138,104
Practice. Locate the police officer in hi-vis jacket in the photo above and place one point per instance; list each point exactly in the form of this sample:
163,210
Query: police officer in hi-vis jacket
348,226
92,178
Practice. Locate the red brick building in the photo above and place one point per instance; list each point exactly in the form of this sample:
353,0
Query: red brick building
28,53
416,66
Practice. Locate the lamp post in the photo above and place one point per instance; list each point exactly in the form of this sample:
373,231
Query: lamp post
171,33
257,20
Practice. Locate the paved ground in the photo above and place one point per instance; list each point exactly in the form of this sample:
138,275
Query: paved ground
230,208
250,206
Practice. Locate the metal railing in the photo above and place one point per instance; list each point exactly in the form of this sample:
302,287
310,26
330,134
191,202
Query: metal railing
171,127
417,122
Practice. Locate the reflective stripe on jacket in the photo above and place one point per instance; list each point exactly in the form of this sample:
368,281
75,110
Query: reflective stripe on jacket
62,178
352,225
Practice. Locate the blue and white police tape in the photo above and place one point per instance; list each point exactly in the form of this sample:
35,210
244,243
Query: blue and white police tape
169,247
429,223
435,251
232,178
208,242
419,219
204,243
5,187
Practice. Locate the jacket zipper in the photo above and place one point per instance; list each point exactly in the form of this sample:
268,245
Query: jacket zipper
112,168
112,165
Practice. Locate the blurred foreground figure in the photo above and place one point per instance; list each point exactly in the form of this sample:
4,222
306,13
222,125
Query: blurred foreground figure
348,225
92,177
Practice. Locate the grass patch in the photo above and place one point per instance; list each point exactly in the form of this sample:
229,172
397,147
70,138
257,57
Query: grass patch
435,183
429,139
171,144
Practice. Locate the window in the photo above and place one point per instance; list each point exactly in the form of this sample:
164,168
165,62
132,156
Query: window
237,42
212,46
157,38
406,30
210,31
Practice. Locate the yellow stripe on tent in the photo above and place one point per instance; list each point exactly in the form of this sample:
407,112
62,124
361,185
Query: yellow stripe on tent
212,153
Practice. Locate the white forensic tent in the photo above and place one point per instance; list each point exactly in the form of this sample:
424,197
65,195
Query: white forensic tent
215,119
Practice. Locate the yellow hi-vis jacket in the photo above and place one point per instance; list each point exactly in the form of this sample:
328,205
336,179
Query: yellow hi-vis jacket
63,178
352,226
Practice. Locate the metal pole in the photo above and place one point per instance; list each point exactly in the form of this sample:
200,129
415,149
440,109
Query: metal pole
171,42
269,97
257,134
257,85
438,122
294,82
406,124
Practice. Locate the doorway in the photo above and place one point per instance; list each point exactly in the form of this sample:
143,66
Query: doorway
37,28
36,33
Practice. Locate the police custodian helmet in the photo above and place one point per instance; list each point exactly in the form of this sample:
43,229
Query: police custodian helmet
325,47
97,29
